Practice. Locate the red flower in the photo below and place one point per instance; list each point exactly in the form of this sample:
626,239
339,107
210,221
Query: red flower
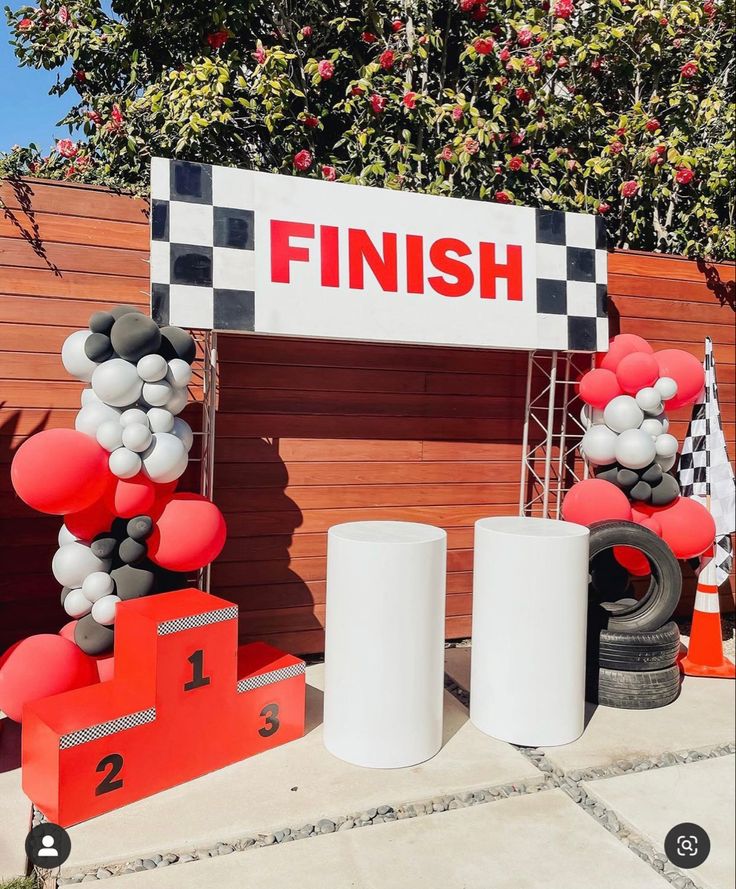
217,39
517,138
25,24
563,9
63,15
689,69
116,115
562,62
386,60
467,5
306,31
80,75
67,148
423,39
410,100
483,45
524,36
378,103
471,145
661,149
621,131
603,208
709,8
516,163
329,173
616,147
303,159
684,175
457,113
93,117
260,55
325,69
629,188
523,95
356,90
504,55
664,21
367,37
309,120
596,65
531,64
480,13
501,84
652,125
396,25
655,159
503,197
446,153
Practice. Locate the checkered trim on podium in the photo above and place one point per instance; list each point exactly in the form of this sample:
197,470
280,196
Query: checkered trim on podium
121,724
572,280
202,243
197,620
269,678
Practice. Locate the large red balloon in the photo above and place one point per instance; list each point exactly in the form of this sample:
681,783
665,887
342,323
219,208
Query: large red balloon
90,521
621,346
687,526
59,471
128,497
637,371
595,500
598,387
686,371
633,560
40,666
189,533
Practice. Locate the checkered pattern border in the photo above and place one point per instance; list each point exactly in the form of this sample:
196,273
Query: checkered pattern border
104,729
704,469
269,678
197,620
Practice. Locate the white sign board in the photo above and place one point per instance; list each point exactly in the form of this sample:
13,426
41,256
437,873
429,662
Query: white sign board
237,250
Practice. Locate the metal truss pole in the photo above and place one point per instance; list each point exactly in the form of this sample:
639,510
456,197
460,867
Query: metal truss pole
208,342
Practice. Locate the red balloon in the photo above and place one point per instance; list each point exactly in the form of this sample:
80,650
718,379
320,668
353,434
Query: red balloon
686,371
40,666
60,471
189,533
636,371
598,387
687,526
90,521
164,493
67,631
105,667
595,500
633,560
621,346
128,497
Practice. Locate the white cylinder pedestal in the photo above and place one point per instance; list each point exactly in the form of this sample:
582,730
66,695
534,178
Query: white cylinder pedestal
530,606
384,645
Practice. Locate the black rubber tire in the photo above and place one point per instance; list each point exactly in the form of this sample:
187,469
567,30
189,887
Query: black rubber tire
629,690
657,606
635,651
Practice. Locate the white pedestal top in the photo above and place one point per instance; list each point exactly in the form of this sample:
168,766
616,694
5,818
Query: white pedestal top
387,532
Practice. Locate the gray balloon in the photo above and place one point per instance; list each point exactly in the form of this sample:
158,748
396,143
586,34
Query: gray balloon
134,335
652,475
119,311
98,347
666,491
132,551
177,343
641,491
627,478
92,637
101,322
132,583
608,473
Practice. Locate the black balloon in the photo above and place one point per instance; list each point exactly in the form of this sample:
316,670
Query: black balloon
104,545
119,529
166,581
133,583
119,311
627,478
641,491
140,527
101,322
91,637
132,551
134,335
666,491
98,347
652,475
177,343
608,473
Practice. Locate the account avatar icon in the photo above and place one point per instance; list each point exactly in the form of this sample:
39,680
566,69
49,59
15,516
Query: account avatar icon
48,846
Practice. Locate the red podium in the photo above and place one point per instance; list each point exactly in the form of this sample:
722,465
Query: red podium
184,701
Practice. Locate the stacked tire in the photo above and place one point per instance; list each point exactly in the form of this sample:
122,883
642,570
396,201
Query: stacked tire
633,646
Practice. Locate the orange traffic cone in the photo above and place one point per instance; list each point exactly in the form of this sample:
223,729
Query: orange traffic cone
705,653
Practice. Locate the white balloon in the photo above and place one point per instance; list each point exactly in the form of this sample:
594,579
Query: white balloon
652,426
649,400
591,416
110,434
133,415
160,419
666,387
96,585
179,373
116,382
72,562
74,358
665,462
178,401
666,445
152,368
103,611
93,415
76,604
183,431
599,445
136,437
88,396
166,458
66,536
635,449
124,463
622,413
157,394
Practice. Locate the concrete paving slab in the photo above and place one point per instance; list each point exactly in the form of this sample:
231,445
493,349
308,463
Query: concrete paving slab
15,807
701,792
290,786
542,841
703,716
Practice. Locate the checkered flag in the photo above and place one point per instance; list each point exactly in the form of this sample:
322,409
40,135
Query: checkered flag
705,472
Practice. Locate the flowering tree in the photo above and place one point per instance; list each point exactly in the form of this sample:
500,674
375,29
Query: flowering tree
616,107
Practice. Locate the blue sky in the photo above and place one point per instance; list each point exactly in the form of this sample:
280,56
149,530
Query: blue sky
27,112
